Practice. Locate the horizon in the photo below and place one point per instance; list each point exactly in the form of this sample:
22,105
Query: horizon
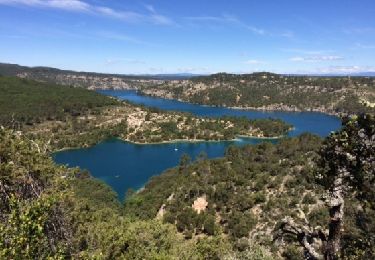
153,37
191,75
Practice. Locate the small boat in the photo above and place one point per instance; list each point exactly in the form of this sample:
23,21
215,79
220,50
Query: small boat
117,176
175,148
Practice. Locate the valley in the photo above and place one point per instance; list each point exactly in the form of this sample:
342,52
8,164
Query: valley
74,117
238,192
335,95
187,130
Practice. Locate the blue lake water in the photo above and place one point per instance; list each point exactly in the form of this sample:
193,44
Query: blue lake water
124,165
313,122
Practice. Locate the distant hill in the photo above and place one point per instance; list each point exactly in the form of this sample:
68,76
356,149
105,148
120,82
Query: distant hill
270,91
261,90
90,80
30,102
359,74
364,74
169,76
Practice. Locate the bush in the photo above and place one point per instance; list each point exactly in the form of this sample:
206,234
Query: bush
240,224
293,252
318,217
309,199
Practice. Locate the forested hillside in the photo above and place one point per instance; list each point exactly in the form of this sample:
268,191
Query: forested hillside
237,207
263,91
247,194
267,91
258,202
50,212
30,102
70,117
77,79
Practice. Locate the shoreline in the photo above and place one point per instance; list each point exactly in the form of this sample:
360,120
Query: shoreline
310,110
174,141
237,138
69,148
265,109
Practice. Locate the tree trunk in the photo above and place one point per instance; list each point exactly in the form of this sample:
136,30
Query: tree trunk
336,213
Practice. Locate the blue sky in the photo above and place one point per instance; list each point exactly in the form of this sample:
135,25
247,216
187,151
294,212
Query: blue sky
195,36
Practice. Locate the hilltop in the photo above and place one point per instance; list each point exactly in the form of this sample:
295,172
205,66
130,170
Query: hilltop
261,91
90,80
269,91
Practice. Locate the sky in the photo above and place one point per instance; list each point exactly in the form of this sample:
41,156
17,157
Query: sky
195,36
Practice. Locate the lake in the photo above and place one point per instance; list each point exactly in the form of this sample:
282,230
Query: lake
313,122
124,165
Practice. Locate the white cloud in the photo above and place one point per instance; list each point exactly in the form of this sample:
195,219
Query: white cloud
70,5
306,52
156,70
253,62
161,19
119,37
193,70
345,69
297,59
157,18
318,58
228,19
126,16
82,6
150,8
336,70
234,21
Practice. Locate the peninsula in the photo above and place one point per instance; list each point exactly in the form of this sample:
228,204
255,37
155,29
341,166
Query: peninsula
68,117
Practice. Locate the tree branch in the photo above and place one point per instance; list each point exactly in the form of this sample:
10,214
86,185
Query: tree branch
304,234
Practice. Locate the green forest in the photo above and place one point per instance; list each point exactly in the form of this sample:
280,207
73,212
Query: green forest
187,130
71,117
262,90
262,203
27,102
301,197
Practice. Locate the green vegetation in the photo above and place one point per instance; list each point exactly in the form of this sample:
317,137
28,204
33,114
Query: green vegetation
73,78
178,126
48,211
55,113
241,189
25,102
334,95
253,190
254,203
274,92
228,208
31,200
74,117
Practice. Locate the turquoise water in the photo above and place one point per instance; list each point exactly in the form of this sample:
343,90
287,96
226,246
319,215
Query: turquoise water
313,122
124,165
